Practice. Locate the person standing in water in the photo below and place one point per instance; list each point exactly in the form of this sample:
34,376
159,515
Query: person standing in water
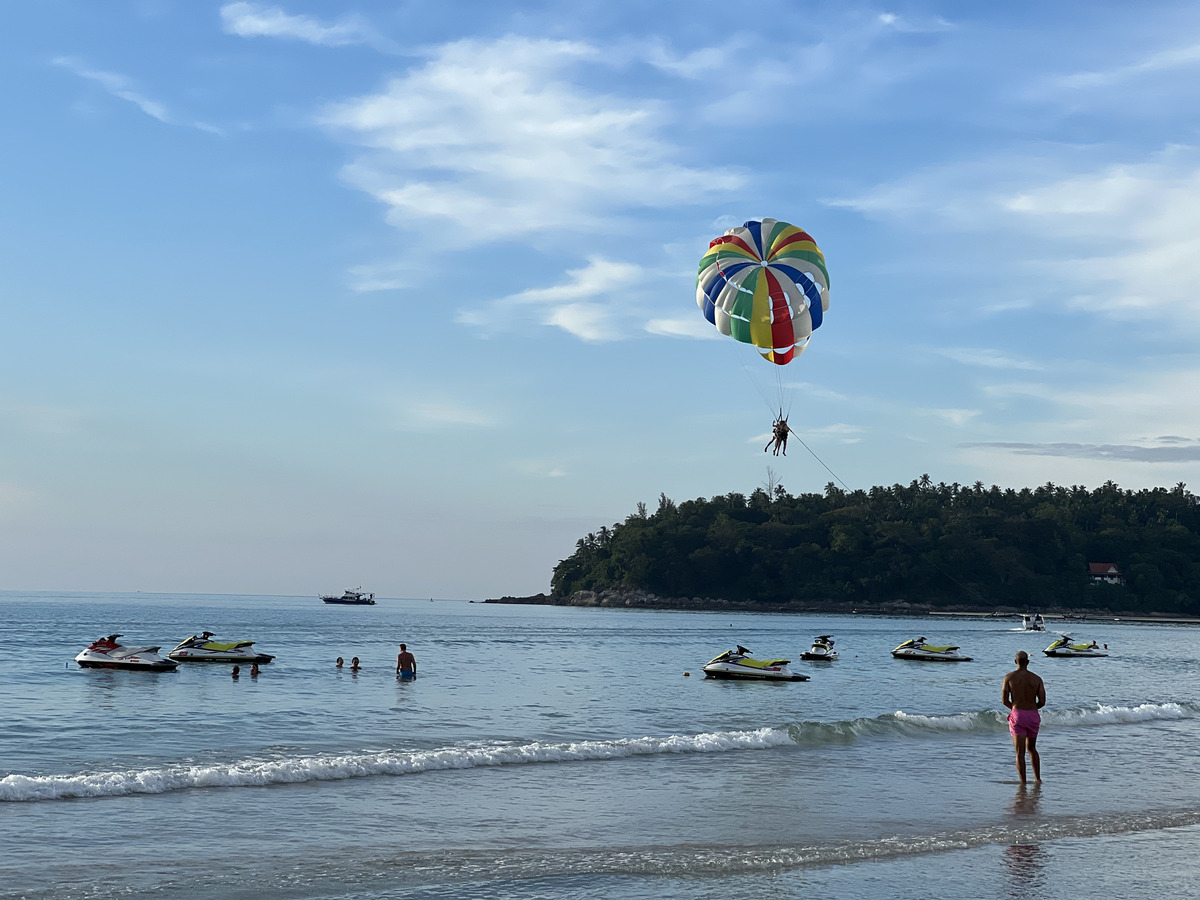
406,663
1024,693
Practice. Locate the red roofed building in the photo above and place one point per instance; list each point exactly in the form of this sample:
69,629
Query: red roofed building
1105,573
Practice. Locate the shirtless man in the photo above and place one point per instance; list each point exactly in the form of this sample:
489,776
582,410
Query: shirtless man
1024,694
406,663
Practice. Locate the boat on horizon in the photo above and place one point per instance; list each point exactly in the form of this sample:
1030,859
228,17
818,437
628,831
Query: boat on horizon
350,598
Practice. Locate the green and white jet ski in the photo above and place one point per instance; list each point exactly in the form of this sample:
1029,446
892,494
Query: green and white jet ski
202,648
739,664
1064,647
918,649
822,650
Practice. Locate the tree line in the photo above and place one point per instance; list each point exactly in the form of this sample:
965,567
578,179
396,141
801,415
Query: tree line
942,544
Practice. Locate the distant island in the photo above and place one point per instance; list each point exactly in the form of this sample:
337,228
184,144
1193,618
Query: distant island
921,547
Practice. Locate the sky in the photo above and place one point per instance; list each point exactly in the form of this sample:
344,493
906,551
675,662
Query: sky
304,296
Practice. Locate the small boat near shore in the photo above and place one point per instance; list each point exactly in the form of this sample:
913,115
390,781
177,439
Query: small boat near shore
1033,622
350,598
740,665
919,650
202,648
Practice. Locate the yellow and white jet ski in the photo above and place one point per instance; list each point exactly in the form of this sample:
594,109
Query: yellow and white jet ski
918,649
822,649
1064,647
202,648
738,664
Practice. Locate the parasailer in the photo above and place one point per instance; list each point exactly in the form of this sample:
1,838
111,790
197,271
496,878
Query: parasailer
766,284
779,435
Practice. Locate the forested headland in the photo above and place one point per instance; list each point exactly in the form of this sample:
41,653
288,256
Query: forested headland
941,545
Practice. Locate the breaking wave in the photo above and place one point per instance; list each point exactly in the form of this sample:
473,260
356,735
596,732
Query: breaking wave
904,724
300,769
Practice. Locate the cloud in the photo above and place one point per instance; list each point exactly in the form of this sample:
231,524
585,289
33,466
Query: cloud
955,417
124,88
908,25
570,305
587,321
1164,61
985,358
684,326
437,415
1171,451
1121,240
698,63
259,20
539,468
495,139
1135,233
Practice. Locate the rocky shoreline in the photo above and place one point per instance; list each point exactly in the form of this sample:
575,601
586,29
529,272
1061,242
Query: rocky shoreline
630,599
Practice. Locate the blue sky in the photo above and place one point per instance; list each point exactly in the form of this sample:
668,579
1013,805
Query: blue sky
303,296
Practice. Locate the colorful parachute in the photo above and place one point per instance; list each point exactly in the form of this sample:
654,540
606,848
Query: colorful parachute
765,284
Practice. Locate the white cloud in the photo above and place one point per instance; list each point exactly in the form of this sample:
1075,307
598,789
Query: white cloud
1122,240
124,88
1132,427
985,358
1165,61
698,63
600,276
496,139
909,25
435,415
539,468
570,305
685,326
587,321
955,417
1135,231
259,20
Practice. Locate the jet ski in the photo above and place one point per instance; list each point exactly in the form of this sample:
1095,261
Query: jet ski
822,649
106,653
918,649
1064,647
739,664
202,648
1033,623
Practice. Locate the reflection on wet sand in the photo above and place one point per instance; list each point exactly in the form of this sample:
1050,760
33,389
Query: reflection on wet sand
1025,864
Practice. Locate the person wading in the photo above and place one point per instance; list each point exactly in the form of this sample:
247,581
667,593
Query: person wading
1024,693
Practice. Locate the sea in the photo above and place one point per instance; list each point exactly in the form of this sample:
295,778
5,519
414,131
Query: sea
553,752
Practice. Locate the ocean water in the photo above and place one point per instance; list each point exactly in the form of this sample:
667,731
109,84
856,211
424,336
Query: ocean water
552,752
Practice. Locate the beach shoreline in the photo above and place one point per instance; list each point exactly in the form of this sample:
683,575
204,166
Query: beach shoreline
631,599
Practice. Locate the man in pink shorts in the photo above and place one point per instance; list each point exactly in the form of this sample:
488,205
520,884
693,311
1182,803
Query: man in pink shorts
1024,693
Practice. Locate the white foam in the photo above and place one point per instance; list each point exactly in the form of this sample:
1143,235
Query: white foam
1120,715
292,770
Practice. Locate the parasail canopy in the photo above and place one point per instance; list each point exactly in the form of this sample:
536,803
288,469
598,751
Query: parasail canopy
765,283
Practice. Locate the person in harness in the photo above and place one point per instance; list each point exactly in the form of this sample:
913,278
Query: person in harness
779,436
